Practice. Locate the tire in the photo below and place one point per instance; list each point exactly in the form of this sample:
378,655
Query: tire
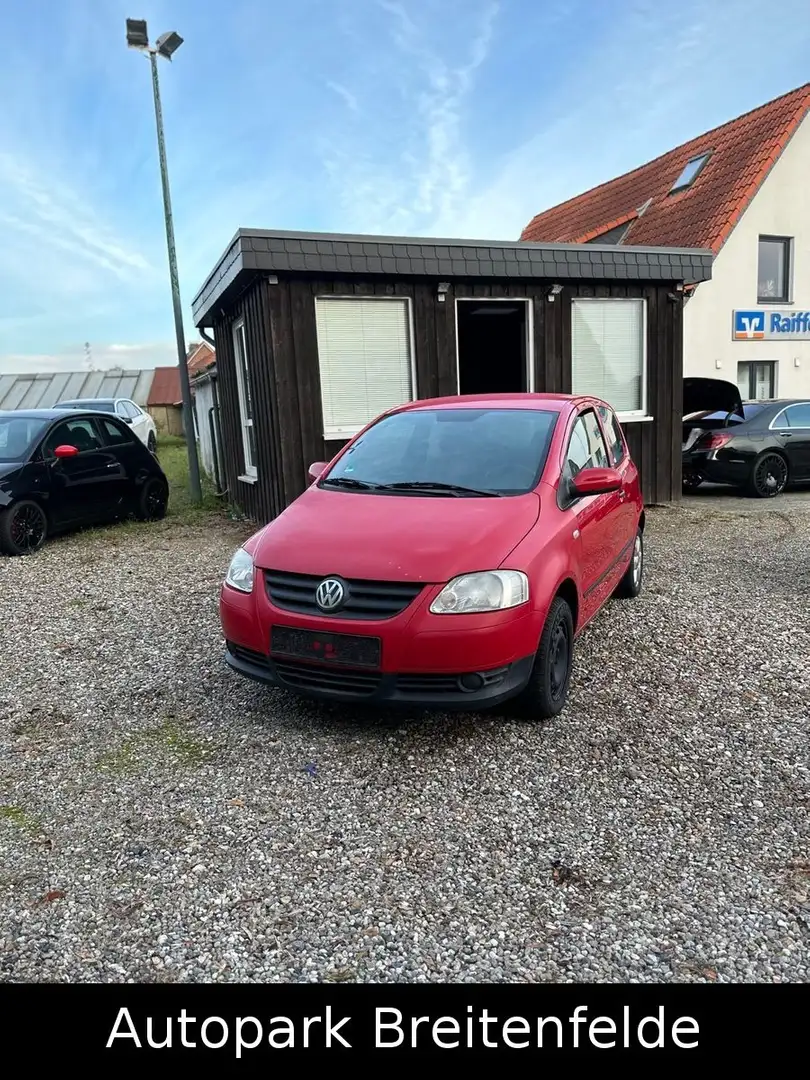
153,500
630,585
547,690
691,481
151,443
23,528
769,476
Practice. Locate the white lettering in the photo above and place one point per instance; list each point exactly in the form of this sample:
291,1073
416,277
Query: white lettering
123,1014
659,1022
333,1029
510,1026
241,1021
678,1028
395,1024
440,1028
602,1025
206,1041
287,1029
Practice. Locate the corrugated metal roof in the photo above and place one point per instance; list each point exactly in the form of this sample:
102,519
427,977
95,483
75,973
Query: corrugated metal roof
44,390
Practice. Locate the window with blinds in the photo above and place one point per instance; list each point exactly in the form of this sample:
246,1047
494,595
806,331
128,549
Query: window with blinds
608,357
364,353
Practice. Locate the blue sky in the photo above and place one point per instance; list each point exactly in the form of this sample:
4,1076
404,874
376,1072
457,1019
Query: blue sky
421,117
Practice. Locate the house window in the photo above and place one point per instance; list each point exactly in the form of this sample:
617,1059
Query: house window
366,360
608,355
756,379
243,387
689,173
773,274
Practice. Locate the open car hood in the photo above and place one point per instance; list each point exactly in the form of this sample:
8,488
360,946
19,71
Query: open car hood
711,395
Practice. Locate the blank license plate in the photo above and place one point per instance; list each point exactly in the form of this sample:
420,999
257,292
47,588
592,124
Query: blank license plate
348,649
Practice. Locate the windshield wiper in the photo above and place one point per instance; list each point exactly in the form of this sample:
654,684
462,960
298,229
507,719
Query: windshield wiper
434,485
348,482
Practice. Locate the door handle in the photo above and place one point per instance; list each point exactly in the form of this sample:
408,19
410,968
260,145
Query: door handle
113,465
786,434
622,494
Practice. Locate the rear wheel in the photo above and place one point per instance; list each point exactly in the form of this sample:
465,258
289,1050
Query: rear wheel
547,690
23,528
691,481
630,585
768,477
153,500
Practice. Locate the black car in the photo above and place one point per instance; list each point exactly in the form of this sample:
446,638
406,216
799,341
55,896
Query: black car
757,446
60,469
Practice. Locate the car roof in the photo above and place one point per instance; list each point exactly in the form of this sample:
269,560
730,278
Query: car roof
553,402
43,414
87,400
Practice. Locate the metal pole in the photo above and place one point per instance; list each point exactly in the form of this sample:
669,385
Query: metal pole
185,384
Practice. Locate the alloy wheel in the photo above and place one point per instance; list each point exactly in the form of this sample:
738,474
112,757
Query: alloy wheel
638,560
770,475
27,529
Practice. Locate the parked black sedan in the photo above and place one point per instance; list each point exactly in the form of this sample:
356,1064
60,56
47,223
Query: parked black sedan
60,469
761,451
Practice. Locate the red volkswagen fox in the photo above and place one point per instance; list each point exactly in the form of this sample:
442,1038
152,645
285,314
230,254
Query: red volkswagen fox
446,558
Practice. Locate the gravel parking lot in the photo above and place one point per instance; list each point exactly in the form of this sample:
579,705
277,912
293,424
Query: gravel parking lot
161,819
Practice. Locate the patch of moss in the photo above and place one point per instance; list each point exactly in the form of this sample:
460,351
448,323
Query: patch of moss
15,815
171,738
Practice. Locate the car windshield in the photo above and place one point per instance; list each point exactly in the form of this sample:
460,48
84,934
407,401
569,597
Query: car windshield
91,404
449,452
17,435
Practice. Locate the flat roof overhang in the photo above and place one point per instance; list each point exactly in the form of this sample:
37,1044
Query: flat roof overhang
271,251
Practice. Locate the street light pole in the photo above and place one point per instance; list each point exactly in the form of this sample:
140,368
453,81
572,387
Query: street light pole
166,45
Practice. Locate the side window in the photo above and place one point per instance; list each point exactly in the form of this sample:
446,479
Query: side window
586,450
121,408
132,410
78,433
115,434
796,416
614,434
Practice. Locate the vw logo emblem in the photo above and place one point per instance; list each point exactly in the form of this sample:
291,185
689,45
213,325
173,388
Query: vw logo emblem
330,594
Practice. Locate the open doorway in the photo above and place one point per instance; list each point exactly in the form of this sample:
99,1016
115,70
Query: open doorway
493,346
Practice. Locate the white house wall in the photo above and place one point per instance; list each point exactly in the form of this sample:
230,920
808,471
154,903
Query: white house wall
781,207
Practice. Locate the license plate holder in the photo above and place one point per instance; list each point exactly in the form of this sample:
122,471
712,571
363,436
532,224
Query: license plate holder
343,650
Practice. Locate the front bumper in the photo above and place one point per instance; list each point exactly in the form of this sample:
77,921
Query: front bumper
429,690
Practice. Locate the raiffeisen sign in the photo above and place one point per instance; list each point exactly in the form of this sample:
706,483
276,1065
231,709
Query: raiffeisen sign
770,326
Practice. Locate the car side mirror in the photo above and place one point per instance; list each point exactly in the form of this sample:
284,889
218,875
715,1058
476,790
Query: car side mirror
317,469
596,482
65,451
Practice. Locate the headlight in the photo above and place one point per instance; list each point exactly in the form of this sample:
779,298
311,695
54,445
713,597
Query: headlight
492,590
240,572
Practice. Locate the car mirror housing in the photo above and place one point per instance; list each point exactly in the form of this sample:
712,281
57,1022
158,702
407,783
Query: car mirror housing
317,469
596,482
65,451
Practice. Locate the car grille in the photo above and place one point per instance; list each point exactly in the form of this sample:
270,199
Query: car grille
445,684
313,677
364,599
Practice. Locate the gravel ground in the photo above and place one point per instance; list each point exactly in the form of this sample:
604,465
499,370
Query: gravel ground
161,819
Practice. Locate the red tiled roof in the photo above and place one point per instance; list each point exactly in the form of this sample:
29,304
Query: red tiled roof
200,357
743,151
165,387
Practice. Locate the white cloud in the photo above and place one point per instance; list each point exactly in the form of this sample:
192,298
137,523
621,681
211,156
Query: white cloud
102,358
349,99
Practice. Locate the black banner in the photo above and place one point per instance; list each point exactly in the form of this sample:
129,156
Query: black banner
255,1027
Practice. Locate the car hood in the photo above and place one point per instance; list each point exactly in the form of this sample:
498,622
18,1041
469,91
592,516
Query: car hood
7,467
711,395
392,537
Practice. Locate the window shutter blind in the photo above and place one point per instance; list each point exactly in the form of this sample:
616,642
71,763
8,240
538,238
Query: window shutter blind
364,353
607,352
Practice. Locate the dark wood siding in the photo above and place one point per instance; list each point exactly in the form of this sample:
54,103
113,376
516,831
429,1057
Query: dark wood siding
283,357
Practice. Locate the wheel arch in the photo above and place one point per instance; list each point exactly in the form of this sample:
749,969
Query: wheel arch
567,589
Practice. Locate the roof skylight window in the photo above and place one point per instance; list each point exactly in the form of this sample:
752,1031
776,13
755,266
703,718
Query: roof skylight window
689,173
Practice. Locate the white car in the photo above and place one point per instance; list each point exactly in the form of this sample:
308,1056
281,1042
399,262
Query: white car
140,421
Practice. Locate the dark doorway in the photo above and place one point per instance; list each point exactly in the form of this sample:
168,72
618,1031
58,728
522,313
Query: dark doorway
491,346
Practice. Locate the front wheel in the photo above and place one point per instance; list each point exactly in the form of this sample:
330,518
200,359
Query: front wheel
769,476
153,500
547,690
23,528
630,584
